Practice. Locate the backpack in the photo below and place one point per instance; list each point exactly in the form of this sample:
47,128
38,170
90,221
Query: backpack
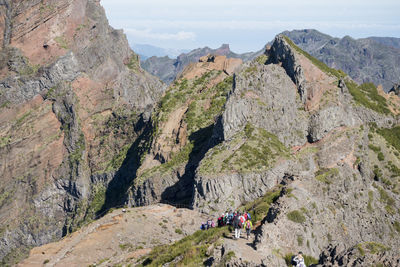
239,222
248,225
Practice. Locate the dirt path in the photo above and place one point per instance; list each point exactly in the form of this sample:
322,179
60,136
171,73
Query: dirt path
243,248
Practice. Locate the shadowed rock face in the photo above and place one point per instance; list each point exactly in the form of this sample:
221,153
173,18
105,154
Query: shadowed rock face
73,100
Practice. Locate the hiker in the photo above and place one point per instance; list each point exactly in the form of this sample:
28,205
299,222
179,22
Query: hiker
221,221
210,224
299,260
203,226
230,218
248,225
248,215
237,224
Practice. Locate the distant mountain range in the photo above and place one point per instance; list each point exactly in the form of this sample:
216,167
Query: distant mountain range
167,69
145,51
372,59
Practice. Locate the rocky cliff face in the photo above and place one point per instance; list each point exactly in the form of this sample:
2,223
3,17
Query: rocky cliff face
372,59
331,158
73,101
312,154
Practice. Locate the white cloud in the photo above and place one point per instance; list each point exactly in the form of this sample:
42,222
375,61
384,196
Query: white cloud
148,34
245,25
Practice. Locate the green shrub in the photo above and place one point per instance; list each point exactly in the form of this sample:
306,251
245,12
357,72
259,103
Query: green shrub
381,157
324,175
397,226
370,200
367,95
371,248
258,208
192,248
376,149
178,231
391,135
296,216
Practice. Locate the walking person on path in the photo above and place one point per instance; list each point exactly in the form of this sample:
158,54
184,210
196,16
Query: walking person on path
237,224
248,225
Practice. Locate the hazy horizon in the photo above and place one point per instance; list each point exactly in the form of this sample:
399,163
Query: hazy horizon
246,25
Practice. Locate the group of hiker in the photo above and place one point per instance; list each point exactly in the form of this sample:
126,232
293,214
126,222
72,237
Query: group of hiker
236,219
241,221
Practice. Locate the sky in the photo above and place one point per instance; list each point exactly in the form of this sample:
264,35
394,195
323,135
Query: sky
247,25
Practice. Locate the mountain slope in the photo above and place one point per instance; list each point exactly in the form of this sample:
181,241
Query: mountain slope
311,154
73,100
373,59
167,69
146,51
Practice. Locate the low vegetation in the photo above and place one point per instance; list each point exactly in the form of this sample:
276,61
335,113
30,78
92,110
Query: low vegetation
326,175
206,104
190,251
253,149
391,135
322,66
371,248
296,216
258,208
367,95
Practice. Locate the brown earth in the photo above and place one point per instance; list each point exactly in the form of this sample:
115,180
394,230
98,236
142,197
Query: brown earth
118,237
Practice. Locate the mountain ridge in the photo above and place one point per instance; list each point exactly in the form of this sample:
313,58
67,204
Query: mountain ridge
312,154
373,59
168,69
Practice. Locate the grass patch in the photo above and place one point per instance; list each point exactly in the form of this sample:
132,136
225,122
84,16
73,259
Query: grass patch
386,199
192,248
258,208
296,216
391,135
61,41
178,231
322,66
126,246
396,226
370,200
133,63
23,118
251,150
367,95
371,248
261,59
324,175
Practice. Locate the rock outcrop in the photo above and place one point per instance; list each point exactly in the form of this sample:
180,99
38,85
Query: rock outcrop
73,101
168,69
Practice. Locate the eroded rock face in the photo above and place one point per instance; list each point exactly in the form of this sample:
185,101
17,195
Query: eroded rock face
73,101
356,256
